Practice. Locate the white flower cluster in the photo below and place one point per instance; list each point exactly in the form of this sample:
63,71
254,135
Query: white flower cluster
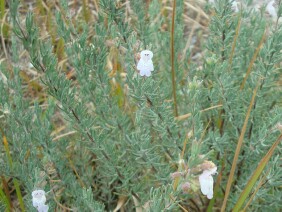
38,201
271,7
145,64
187,182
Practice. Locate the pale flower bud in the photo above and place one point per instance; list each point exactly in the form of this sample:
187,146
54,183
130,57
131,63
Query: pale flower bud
190,134
207,165
181,162
279,126
185,187
176,175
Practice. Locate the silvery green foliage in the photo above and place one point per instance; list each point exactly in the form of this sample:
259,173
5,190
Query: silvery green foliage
126,141
222,85
87,201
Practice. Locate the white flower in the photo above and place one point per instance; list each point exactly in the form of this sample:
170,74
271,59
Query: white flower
38,197
43,208
145,64
234,6
206,182
38,200
271,10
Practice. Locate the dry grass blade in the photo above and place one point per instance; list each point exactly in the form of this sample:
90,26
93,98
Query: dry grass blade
76,173
64,135
172,59
96,5
238,148
185,116
256,175
85,10
197,9
138,208
189,20
174,200
2,34
7,149
253,61
191,34
120,204
184,147
234,41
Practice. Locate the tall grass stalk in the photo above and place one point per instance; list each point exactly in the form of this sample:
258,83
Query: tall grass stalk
238,149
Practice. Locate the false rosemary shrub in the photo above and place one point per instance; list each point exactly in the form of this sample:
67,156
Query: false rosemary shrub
86,128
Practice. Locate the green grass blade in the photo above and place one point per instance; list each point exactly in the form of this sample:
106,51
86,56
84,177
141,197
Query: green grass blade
2,8
261,182
4,199
256,175
19,194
